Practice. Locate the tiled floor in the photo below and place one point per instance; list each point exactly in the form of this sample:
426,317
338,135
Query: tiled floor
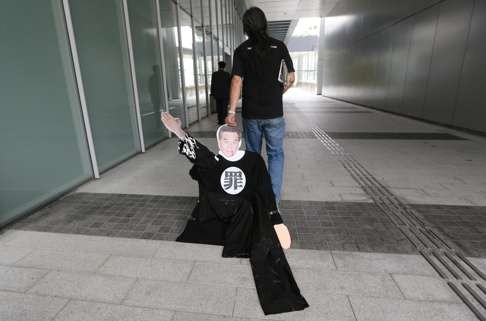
104,251
314,225
350,226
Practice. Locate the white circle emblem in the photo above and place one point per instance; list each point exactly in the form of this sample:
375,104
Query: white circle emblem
233,180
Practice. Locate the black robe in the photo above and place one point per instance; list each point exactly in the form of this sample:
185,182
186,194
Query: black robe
236,208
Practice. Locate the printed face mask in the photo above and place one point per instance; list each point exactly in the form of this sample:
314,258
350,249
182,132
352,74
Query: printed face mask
228,142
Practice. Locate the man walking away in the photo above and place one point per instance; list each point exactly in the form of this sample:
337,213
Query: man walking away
220,87
257,65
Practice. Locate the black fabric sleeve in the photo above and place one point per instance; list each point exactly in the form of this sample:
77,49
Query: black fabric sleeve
195,152
266,191
286,57
238,69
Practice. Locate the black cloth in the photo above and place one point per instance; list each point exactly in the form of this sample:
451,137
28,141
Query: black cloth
239,214
262,92
222,109
220,84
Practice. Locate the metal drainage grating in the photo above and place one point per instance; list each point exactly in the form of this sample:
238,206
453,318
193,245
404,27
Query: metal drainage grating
462,276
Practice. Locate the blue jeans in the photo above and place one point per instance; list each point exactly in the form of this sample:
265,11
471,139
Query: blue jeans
274,131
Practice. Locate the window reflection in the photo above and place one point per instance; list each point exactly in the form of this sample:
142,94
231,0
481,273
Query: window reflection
170,44
188,66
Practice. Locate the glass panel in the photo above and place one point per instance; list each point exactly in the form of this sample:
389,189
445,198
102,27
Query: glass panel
184,4
103,57
201,61
196,10
214,26
172,63
188,61
146,52
223,23
208,41
44,149
218,28
215,54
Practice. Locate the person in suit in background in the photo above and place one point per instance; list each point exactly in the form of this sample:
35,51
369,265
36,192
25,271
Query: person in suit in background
220,87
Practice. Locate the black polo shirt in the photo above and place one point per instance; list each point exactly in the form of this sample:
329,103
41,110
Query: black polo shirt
262,92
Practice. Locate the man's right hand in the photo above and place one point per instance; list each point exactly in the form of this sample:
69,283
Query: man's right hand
230,120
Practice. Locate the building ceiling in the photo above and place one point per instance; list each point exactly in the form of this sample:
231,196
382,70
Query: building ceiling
283,14
292,9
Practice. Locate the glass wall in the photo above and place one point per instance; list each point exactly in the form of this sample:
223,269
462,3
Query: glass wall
146,52
218,35
188,65
44,136
44,150
207,6
99,30
201,66
170,45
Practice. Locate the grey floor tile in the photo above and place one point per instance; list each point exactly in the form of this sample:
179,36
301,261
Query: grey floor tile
26,307
310,259
155,269
90,311
84,243
180,296
357,283
322,306
223,274
188,316
415,287
19,279
63,260
193,252
377,309
84,286
11,254
382,263
479,262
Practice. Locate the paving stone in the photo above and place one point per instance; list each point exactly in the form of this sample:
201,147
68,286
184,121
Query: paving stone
82,243
328,281
479,263
12,254
382,263
365,227
415,287
180,296
84,286
19,279
26,307
194,252
62,260
223,274
188,316
380,309
91,311
322,306
155,269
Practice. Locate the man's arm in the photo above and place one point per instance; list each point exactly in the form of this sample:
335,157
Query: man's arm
290,81
173,125
235,91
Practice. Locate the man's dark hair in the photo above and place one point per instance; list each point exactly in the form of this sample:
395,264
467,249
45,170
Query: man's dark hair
221,64
255,26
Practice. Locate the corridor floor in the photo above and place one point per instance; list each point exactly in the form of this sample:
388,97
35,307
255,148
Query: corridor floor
106,251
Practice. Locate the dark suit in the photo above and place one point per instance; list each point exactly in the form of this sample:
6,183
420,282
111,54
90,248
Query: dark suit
220,88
